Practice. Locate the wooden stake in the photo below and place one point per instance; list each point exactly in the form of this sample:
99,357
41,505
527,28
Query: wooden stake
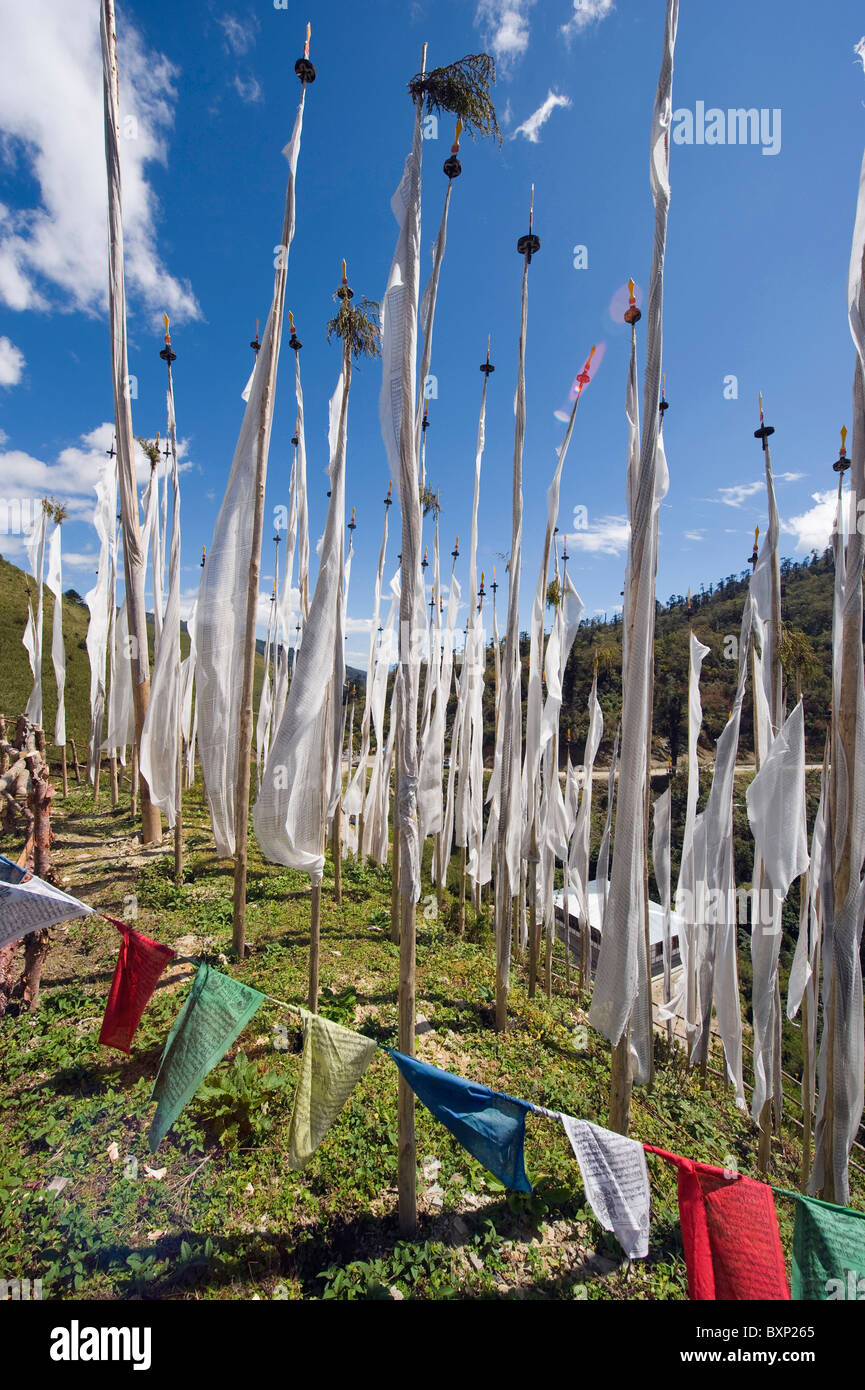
65,774
314,947
395,851
115,794
407,1162
807,1100
336,850
533,923
178,811
133,800
315,906
75,761
567,923
621,1084
440,888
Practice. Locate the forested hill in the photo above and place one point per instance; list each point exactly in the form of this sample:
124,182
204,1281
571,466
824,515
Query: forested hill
715,616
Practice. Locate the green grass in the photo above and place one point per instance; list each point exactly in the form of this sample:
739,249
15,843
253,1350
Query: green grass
229,1219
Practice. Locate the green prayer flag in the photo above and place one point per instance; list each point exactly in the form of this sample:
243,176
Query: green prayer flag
217,1009
828,1251
334,1059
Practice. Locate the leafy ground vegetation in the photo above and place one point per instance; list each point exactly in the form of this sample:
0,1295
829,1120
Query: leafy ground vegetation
217,1213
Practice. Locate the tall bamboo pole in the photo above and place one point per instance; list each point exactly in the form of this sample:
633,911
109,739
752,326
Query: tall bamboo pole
133,555
843,771
527,246
244,740
621,1066
405,825
168,355
776,714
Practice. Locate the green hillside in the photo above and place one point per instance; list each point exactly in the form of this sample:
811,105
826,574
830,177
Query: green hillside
16,681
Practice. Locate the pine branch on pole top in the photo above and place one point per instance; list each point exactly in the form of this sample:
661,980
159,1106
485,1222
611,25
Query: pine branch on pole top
462,88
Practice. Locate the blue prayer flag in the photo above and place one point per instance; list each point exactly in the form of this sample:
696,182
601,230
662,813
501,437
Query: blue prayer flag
492,1126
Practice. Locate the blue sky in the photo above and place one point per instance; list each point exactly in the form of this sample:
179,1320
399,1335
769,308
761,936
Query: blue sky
756,266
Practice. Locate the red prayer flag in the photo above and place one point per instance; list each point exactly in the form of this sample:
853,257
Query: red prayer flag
139,965
730,1233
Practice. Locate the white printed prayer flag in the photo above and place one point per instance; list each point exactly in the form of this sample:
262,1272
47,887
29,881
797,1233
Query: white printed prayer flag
616,1180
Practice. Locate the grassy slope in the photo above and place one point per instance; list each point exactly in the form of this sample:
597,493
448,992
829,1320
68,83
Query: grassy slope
16,680
230,1219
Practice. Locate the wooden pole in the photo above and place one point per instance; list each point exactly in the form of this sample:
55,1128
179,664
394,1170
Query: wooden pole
315,912
115,794
395,850
440,887
75,761
566,914
807,1101
244,741
336,850
621,1080
178,808
314,947
462,922
133,798
532,875
133,555
65,773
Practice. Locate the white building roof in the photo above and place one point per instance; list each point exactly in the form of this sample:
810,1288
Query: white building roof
656,913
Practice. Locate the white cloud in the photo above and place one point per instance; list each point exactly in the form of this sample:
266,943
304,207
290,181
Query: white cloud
505,26
737,494
250,91
12,363
586,12
606,536
813,529
239,37
859,50
530,128
693,535
51,125
71,479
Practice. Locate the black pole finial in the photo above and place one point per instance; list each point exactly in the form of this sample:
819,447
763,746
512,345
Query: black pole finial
303,67
765,430
528,245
